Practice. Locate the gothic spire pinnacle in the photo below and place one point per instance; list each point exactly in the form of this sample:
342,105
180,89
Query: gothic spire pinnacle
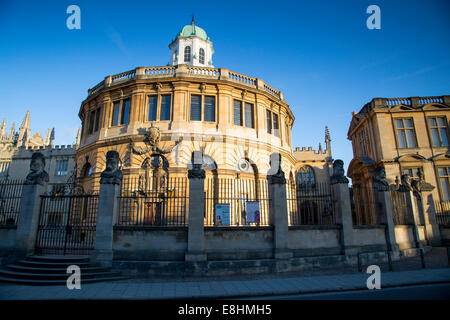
3,127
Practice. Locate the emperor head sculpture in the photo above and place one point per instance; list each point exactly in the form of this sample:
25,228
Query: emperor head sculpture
380,182
405,183
338,172
37,174
112,174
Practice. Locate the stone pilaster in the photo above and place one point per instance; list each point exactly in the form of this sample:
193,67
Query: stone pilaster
28,219
108,210
414,208
432,230
383,198
196,235
278,208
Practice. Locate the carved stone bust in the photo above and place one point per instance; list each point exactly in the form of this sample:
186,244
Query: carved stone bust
112,173
380,182
405,185
338,172
196,172
153,135
37,174
275,174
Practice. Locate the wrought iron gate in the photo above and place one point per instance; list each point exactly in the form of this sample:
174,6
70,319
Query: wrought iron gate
67,224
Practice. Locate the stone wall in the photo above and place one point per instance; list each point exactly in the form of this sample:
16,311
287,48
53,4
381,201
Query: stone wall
7,239
314,240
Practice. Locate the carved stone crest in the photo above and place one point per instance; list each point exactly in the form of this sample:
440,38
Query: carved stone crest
338,172
112,174
152,139
37,174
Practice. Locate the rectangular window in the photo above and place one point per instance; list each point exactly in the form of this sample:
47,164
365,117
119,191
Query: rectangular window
116,110
152,108
91,122
269,121
165,107
438,128
248,115
196,108
276,130
363,143
444,176
125,116
210,109
61,167
412,172
97,119
405,133
237,112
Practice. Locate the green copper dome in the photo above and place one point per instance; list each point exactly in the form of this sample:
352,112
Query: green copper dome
191,30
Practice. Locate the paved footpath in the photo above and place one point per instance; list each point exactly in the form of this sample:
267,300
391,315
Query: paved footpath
216,289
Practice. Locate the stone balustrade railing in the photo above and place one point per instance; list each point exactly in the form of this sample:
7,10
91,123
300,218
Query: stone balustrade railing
397,101
191,71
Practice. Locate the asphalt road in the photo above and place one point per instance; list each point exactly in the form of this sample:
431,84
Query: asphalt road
439,291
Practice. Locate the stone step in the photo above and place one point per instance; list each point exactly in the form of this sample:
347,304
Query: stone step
53,276
40,282
28,269
48,264
59,259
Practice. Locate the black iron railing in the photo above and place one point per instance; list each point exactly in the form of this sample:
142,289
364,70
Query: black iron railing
154,201
10,198
442,209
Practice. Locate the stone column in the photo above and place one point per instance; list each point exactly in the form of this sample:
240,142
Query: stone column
342,207
196,235
414,208
35,185
384,213
431,226
108,210
278,208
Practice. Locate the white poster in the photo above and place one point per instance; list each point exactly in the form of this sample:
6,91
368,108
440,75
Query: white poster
222,214
253,212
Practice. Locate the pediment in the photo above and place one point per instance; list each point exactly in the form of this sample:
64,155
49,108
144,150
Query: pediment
402,107
410,157
435,106
441,156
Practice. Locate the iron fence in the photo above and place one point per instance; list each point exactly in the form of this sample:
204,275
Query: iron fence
154,201
363,205
442,209
401,212
309,204
236,202
10,198
67,224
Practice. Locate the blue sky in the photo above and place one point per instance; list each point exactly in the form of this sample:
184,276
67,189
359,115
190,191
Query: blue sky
319,53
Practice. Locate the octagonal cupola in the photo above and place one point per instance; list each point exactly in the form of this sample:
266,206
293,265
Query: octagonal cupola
192,47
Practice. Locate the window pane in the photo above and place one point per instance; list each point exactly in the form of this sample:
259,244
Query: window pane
152,108
91,121
444,137
196,108
399,123
201,56
432,122
187,54
411,139
445,189
115,120
165,107
237,113
442,172
408,123
210,109
435,137
97,118
269,121
276,130
125,117
402,139
441,122
249,115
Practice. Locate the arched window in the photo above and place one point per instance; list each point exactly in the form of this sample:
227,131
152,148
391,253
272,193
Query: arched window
187,54
86,171
306,178
201,56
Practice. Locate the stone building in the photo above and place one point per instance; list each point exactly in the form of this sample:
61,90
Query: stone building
152,114
405,136
16,149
